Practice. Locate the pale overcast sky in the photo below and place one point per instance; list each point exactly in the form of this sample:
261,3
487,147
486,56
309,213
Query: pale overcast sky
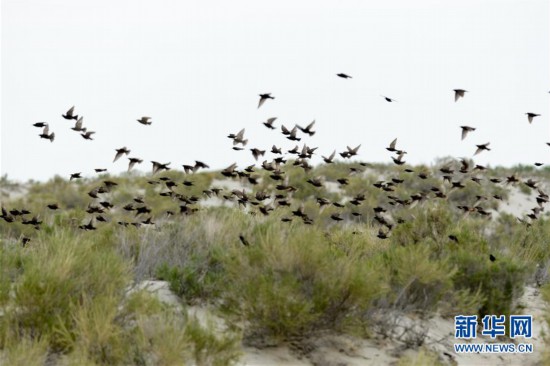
197,67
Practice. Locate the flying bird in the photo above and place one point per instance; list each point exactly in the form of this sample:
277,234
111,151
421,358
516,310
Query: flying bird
263,98
388,99
238,138
244,241
69,114
308,128
145,120
257,153
392,146
329,159
133,161
466,130
351,152
87,135
459,93
78,125
40,124
75,176
530,116
344,76
158,166
482,147
269,123
46,135
120,152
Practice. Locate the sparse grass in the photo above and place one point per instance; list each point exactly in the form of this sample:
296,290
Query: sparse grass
421,358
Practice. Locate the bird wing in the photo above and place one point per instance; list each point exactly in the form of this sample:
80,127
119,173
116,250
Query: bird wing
393,143
261,102
70,111
118,155
458,94
464,133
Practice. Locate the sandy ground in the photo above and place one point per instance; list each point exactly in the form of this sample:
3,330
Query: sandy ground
518,203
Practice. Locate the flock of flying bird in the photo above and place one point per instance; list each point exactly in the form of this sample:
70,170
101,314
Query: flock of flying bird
282,194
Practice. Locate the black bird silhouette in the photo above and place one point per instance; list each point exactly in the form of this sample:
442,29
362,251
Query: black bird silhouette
388,99
336,217
78,125
351,152
492,258
158,166
133,161
120,152
100,170
329,159
200,165
257,153
269,123
263,98
392,146
292,134
69,114
145,120
482,147
453,238
344,76
399,159
40,124
238,138
87,135
230,170
276,150
46,135
530,116
459,93
465,130
307,129
75,176
244,241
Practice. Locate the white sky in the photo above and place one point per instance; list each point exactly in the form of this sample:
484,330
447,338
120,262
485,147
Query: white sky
197,67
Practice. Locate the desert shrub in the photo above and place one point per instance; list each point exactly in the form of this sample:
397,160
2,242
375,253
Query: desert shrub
291,284
421,358
545,292
501,282
427,223
56,276
418,280
25,351
187,253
